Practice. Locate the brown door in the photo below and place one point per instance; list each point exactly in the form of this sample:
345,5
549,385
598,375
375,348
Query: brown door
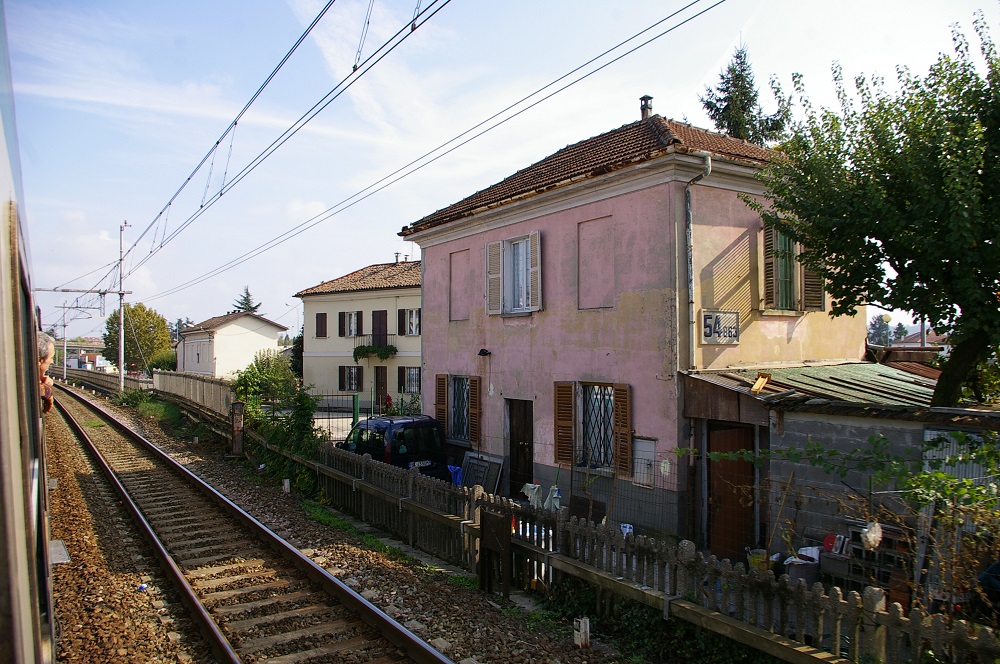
521,445
380,328
381,386
731,496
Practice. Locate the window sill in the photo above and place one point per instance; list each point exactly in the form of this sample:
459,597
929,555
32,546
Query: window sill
599,472
787,313
515,314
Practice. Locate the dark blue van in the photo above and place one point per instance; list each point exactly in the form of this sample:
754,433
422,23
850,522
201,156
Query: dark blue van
406,441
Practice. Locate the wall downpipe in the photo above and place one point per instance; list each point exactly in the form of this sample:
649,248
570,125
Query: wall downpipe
689,233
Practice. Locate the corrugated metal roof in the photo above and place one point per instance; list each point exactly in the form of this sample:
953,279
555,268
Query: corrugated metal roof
855,382
862,389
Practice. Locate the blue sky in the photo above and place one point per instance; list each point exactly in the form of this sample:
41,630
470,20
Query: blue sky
117,102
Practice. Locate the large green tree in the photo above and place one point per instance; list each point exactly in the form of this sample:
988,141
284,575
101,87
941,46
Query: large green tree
735,108
146,335
896,199
245,302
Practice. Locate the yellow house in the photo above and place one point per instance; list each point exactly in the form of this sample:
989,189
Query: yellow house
362,333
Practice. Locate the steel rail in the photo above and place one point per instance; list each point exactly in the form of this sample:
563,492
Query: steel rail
414,647
219,643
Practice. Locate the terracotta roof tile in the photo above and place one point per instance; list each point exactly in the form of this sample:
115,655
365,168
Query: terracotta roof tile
218,321
627,145
374,277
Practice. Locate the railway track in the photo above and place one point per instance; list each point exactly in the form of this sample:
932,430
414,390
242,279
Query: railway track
255,597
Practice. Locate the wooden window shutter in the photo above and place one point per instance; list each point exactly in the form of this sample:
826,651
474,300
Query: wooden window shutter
342,379
770,299
565,419
419,323
321,324
441,400
401,379
535,272
401,322
494,278
621,429
361,323
361,379
475,411
812,291
342,324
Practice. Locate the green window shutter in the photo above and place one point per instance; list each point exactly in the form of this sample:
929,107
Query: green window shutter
770,298
813,296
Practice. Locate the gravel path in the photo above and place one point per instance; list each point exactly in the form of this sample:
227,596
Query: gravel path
465,624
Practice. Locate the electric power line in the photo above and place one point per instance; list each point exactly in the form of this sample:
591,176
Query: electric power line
334,93
425,160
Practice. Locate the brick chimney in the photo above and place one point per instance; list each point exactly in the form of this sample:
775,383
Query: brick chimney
645,106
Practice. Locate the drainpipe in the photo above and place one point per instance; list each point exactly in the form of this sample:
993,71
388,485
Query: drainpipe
690,251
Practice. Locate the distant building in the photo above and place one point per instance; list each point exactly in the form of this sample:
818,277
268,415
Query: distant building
221,346
377,310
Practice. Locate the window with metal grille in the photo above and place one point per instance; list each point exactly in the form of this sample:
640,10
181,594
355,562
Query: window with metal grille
598,445
459,428
352,376
412,378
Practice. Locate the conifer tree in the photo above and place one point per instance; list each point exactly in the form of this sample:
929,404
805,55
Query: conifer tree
734,106
245,302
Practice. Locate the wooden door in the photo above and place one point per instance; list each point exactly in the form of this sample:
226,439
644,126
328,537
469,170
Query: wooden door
731,496
521,445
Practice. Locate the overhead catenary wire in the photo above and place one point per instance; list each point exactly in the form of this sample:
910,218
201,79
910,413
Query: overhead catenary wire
364,33
229,130
437,153
232,125
334,93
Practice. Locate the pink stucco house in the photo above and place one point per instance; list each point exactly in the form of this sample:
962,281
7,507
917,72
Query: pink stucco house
567,308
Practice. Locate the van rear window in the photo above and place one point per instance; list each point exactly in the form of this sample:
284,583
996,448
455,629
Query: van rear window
419,441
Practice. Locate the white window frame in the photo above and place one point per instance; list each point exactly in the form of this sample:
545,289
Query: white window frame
413,322
350,323
514,275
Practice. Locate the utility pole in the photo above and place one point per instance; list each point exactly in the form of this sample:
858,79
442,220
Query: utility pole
65,360
121,307
65,337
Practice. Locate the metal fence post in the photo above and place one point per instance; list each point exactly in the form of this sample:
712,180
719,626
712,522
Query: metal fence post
356,407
